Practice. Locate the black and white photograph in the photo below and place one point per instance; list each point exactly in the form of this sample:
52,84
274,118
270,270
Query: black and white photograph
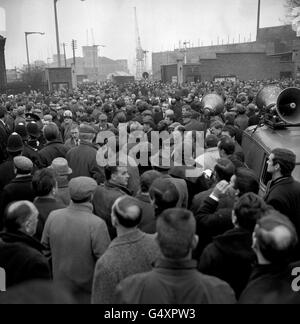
149,154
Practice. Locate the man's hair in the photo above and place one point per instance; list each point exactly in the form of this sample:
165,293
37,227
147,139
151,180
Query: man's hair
286,159
164,194
127,211
176,229
227,144
147,178
217,125
17,213
248,210
43,182
171,117
230,130
276,237
224,170
246,181
51,132
211,141
109,170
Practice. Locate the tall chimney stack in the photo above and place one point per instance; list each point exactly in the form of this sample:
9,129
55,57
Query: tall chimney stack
258,19
3,79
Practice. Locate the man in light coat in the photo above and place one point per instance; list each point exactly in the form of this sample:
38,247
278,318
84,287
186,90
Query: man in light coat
77,239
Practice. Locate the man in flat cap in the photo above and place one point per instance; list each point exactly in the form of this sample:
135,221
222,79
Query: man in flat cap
20,188
82,159
78,239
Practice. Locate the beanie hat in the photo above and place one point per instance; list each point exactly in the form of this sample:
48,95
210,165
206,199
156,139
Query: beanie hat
14,143
22,131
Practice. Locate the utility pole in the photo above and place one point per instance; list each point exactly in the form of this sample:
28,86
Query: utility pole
27,52
74,47
57,33
65,56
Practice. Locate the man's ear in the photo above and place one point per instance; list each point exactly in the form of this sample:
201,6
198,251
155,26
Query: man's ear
277,167
234,218
254,240
195,241
114,220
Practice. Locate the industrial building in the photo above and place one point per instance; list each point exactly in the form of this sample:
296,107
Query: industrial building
92,67
274,55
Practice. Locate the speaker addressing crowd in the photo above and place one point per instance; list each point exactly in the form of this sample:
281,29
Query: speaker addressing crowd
139,194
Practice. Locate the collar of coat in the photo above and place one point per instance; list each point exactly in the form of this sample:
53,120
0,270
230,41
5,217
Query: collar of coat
54,142
168,264
260,270
22,179
144,198
128,238
20,237
84,207
110,185
280,181
86,143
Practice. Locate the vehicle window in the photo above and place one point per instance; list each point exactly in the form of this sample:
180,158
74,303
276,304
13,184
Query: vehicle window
254,154
266,177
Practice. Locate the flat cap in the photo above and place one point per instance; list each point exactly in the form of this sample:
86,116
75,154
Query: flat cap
82,188
86,129
23,163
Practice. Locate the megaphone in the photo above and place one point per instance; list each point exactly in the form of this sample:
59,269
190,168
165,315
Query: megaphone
283,103
212,104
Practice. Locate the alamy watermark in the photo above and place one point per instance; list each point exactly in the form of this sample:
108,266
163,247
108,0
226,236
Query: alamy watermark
159,149
296,281
2,280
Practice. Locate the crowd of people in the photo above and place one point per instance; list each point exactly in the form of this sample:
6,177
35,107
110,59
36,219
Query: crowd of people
147,228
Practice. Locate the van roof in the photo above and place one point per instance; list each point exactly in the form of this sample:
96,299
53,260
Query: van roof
270,139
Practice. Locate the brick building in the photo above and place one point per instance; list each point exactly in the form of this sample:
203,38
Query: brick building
274,55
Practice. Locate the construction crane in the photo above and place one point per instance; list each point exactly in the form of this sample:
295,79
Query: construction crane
140,53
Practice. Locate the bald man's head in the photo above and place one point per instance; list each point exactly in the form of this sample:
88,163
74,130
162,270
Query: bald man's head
21,216
276,237
127,211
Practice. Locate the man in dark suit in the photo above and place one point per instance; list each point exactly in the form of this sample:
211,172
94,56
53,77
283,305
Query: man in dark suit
4,134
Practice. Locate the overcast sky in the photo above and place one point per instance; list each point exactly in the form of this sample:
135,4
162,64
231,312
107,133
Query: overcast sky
162,24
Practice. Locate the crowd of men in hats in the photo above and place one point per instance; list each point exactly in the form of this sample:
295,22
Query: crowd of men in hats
76,231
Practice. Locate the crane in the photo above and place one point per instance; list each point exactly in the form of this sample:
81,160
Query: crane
140,53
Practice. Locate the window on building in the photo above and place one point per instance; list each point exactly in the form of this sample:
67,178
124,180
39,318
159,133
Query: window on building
286,58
